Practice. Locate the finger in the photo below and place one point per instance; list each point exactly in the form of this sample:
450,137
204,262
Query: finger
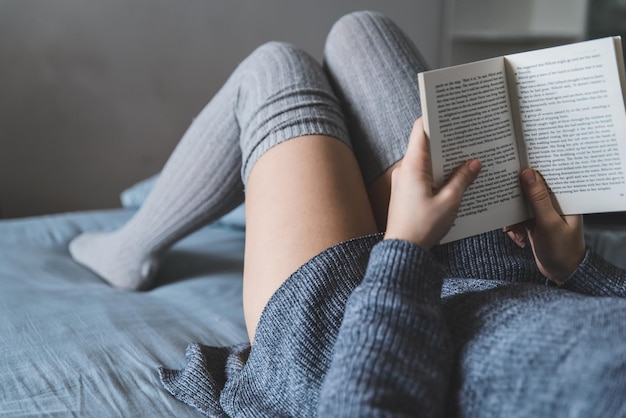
518,236
537,194
418,152
463,176
515,227
517,233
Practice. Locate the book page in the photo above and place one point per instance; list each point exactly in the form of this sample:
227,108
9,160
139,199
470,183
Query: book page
467,115
572,115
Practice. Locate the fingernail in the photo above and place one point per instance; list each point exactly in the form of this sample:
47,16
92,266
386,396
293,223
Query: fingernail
474,166
528,177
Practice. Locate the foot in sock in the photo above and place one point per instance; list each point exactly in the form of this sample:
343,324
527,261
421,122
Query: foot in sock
104,254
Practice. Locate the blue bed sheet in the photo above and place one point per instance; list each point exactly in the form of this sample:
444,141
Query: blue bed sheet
70,345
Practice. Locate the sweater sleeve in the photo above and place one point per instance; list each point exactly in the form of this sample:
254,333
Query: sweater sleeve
393,354
597,277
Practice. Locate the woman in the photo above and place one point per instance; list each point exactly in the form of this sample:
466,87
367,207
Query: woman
345,321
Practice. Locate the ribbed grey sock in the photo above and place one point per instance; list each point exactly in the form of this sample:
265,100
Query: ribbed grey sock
276,94
373,66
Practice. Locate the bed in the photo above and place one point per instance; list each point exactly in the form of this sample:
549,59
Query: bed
73,346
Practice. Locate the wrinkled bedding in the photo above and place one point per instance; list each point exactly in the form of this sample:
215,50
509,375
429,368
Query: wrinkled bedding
70,345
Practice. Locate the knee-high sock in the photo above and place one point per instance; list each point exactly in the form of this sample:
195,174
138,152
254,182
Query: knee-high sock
276,94
373,66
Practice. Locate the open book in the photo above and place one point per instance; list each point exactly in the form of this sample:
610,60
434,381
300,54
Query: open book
558,110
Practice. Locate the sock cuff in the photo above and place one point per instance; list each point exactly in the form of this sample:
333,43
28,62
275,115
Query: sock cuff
304,127
283,94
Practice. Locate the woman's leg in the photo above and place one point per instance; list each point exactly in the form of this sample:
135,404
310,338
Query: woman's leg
305,194
373,67
200,182
275,94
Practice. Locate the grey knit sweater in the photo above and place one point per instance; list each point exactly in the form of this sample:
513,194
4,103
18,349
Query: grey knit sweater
372,328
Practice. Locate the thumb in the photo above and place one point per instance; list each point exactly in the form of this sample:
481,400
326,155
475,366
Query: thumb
538,195
464,176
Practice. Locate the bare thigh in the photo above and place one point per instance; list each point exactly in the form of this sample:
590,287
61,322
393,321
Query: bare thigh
302,196
379,192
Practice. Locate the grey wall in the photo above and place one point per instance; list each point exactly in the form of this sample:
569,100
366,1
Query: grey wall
94,95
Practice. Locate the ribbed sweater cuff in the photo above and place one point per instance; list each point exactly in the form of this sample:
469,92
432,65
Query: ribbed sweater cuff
597,277
404,265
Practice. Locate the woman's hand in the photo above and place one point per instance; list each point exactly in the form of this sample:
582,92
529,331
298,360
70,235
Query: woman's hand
418,212
558,242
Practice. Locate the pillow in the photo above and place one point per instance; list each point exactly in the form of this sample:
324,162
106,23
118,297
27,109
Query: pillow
135,195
